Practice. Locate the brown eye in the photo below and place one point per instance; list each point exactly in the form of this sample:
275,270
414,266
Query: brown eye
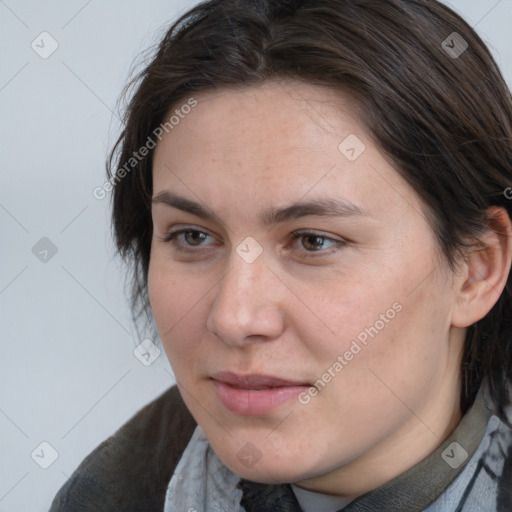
183,239
194,237
313,242
308,244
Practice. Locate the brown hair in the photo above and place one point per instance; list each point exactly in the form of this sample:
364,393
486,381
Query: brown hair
440,111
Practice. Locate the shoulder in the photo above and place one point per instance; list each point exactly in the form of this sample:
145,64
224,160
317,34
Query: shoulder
130,470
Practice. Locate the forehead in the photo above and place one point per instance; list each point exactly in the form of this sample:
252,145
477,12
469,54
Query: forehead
268,123
277,142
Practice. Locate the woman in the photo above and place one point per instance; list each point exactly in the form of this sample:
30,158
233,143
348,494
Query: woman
313,199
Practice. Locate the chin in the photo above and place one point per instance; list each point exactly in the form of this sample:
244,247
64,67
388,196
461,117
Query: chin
250,464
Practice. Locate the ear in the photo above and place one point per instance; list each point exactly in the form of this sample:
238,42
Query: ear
485,270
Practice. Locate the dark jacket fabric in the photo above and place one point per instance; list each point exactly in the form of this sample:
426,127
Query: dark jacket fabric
131,470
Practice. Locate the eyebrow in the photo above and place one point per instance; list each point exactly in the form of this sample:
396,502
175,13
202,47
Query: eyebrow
318,207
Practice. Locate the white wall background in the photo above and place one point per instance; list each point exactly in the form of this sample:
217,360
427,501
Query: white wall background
68,376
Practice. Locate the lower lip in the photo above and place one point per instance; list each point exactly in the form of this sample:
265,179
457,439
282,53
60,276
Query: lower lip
251,402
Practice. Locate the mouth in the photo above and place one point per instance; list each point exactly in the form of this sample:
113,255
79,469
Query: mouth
255,395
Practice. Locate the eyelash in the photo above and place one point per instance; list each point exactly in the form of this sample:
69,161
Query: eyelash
172,239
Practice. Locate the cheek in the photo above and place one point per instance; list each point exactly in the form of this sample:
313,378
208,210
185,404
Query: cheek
171,294
378,326
178,304
405,355
341,311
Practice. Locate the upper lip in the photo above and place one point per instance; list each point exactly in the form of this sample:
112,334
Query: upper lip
255,381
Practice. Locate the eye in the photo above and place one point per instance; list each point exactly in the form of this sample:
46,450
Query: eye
186,239
307,243
312,242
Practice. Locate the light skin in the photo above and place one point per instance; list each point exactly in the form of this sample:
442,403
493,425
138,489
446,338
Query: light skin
299,305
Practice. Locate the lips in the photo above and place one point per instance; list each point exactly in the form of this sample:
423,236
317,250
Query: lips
254,395
255,381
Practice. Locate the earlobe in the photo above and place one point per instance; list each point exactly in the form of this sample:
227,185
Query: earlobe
485,270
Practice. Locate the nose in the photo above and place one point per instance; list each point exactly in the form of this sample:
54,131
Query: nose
247,305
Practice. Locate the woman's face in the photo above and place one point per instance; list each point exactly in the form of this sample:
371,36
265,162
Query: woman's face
301,300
